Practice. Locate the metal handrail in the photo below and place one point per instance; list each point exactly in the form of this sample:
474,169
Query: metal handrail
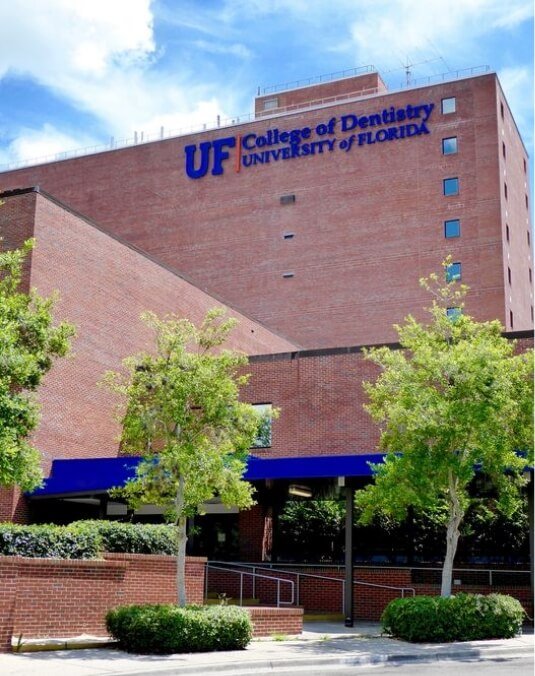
254,575
298,575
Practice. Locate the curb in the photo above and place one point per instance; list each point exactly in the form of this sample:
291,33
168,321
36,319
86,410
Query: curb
297,664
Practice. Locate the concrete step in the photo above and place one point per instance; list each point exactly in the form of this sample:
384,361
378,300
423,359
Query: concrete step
215,601
323,617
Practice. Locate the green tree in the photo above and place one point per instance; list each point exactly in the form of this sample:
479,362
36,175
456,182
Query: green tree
182,414
313,530
29,343
454,400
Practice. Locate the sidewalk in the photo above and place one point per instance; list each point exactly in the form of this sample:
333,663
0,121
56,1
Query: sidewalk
320,645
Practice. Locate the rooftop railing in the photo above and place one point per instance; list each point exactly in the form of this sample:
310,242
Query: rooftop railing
221,123
317,79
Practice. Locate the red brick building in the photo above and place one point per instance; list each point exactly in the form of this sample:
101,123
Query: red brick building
312,222
326,212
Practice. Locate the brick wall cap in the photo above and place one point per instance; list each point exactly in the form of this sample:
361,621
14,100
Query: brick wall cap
127,556
272,610
73,563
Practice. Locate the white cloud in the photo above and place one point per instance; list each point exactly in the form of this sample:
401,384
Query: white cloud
38,144
98,56
101,56
50,37
390,30
517,84
235,49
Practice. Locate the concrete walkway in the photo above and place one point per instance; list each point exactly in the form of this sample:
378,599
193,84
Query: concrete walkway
321,646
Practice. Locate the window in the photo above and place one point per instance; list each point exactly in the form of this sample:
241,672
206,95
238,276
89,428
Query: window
453,312
529,238
263,434
527,202
530,275
511,318
504,153
287,199
453,272
448,105
287,275
531,309
507,233
525,166
451,186
452,228
288,235
509,276
502,110
271,104
505,190
449,145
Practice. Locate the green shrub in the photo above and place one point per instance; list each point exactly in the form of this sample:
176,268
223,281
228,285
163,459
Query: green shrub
464,617
165,629
133,538
85,539
48,541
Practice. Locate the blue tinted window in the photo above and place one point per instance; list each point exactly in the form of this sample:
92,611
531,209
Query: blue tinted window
453,272
451,186
449,145
453,312
452,228
448,105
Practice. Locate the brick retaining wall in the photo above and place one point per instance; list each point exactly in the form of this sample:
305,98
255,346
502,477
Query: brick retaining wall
48,598
269,621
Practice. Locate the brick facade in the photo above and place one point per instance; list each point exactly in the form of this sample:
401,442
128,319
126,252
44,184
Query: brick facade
103,286
366,223
320,397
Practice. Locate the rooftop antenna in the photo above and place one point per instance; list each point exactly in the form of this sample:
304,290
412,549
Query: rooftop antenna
408,65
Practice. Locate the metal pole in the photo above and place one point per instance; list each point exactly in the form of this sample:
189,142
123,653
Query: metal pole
241,589
278,593
298,589
254,582
530,516
348,593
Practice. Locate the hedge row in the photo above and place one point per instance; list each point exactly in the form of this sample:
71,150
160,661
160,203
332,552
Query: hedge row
139,538
166,629
48,541
463,617
85,539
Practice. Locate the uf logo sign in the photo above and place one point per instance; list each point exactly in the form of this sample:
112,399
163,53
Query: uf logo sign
205,152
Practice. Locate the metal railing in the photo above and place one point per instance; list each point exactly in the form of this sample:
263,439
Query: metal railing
317,79
469,576
140,138
449,75
254,575
231,566
316,103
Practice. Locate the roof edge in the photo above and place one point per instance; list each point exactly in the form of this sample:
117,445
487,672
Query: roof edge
38,190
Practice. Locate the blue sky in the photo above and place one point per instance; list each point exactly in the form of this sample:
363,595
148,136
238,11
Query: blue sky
75,73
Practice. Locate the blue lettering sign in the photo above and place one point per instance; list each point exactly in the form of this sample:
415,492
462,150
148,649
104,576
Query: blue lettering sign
276,145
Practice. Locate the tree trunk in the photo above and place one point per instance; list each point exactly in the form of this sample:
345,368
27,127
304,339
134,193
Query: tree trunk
182,539
452,536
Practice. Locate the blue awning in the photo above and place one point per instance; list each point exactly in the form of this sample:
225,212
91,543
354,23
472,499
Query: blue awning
314,467
99,475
